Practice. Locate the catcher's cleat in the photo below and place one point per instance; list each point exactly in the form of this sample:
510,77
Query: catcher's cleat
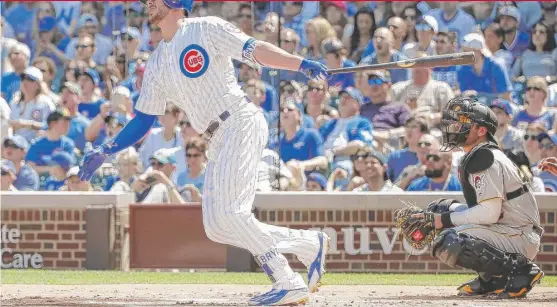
520,284
277,297
480,287
317,267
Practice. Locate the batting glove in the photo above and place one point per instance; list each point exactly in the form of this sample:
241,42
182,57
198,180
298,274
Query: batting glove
91,161
314,70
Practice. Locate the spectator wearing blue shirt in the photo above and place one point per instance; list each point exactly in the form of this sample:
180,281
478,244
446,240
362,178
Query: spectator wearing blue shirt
344,136
20,16
19,59
299,144
486,77
296,14
335,57
90,105
290,42
54,140
193,177
438,175
50,43
103,45
14,148
446,44
60,163
548,146
516,41
449,16
383,40
400,159
536,110
318,102
71,93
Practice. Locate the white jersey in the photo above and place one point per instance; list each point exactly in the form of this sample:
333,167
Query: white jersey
194,71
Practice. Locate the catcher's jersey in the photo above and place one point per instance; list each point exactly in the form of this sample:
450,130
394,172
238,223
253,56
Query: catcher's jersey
195,72
501,178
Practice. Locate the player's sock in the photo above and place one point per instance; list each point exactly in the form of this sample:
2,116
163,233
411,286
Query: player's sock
275,265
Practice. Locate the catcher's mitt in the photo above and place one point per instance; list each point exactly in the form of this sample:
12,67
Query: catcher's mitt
549,165
419,232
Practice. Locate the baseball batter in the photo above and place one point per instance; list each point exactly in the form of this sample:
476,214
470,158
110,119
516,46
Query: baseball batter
497,232
192,67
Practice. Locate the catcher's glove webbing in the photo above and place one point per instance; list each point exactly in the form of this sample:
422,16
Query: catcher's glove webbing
419,232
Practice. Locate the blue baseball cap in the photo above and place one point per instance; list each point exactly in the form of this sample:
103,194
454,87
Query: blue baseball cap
132,32
502,104
164,156
87,18
94,75
381,74
47,24
354,93
319,178
62,159
18,141
552,137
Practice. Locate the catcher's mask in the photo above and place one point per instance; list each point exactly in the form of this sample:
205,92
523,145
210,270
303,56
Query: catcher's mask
460,114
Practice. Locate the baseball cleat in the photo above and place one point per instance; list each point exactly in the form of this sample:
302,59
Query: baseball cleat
277,297
317,267
519,286
479,287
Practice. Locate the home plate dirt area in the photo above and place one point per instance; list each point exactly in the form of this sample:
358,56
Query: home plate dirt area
237,295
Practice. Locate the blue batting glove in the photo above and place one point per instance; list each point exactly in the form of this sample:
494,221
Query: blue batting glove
91,161
314,70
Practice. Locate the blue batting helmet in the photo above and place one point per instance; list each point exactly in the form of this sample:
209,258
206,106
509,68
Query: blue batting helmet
176,4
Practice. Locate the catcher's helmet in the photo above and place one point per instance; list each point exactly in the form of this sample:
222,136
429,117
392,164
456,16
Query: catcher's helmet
176,4
458,117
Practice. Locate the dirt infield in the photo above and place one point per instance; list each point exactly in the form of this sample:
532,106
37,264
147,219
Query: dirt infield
237,295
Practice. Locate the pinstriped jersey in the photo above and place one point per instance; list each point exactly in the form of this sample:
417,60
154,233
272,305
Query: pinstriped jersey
195,72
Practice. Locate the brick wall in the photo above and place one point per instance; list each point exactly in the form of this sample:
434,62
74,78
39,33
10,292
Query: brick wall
58,235
375,259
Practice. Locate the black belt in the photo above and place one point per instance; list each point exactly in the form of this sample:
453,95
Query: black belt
516,193
214,125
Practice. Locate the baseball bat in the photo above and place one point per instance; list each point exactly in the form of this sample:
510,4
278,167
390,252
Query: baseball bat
462,58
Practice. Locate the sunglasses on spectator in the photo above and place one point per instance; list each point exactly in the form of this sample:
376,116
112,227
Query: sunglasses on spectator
82,46
156,164
533,88
193,155
436,158
361,156
410,17
533,137
186,123
424,144
423,27
289,90
375,81
315,89
4,173
547,146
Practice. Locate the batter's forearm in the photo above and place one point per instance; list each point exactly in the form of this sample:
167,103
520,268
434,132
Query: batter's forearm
272,56
131,133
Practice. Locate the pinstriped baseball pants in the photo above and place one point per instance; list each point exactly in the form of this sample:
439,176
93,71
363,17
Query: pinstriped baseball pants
229,191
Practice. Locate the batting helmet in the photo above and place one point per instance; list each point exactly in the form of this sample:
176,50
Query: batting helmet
458,117
176,4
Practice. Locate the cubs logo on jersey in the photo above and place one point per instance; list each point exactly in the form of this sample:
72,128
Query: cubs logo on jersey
194,61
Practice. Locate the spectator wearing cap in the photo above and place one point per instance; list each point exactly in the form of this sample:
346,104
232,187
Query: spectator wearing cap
317,30
70,94
50,42
507,135
335,57
89,24
548,147
7,177
449,16
400,30
54,140
422,94
89,81
486,77
336,13
398,160
383,40
74,184
154,186
426,30
14,149
316,182
193,177
536,109
372,167
168,136
494,37
247,71
60,163
438,175
30,107
48,68
19,60
303,146
318,102
130,38
349,133
385,116
540,59
515,41
445,44
290,42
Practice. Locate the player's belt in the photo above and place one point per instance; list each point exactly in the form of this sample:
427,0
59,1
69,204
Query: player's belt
214,125
516,193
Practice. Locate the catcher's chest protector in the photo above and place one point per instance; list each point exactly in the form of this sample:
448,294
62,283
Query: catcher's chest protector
478,159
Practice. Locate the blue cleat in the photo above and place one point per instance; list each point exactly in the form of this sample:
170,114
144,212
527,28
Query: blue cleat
282,297
317,267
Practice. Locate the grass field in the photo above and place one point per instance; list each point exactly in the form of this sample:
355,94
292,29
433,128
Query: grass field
57,277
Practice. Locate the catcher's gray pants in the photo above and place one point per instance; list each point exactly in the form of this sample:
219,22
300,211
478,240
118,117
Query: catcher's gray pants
504,238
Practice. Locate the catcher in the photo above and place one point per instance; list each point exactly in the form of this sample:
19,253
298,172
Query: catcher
497,232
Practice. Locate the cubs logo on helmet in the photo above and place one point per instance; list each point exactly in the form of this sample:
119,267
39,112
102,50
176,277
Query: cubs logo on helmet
194,61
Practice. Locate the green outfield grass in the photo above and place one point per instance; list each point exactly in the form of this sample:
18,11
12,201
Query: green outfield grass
55,277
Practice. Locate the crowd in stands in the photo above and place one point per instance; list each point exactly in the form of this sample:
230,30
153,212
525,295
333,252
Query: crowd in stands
72,72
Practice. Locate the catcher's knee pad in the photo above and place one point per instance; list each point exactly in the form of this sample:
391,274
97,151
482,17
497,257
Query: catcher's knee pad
463,250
